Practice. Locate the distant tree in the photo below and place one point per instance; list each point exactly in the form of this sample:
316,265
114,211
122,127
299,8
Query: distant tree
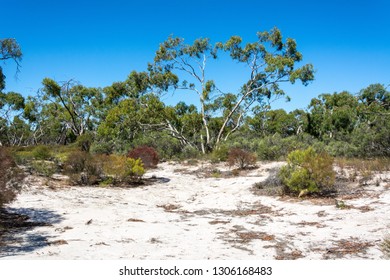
372,135
276,121
11,109
9,49
375,95
333,115
74,107
270,62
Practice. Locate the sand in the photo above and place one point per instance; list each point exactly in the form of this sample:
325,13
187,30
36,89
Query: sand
186,216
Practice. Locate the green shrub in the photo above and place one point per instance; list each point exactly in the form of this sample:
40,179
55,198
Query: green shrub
43,167
42,152
341,149
84,142
307,172
241,158
221,153
101,148
189,152
275,147
166,146
23,157
123,169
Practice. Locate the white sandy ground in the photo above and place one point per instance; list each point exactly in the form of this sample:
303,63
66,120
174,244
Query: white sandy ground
203,218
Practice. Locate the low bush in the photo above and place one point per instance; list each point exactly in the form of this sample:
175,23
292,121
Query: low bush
146,154
341,149
42,152
83,168
241,158
123,169
275,147
43,167
84,142
10,177
189,152
221,153
307,172
102,148
385,247
23,157
166,146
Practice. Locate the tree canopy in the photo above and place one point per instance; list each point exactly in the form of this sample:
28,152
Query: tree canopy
132,112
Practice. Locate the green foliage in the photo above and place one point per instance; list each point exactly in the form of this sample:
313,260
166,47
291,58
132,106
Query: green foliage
275,147
123,169
85,141
221,153
307,172
9,49
23,156
341,149
101,148
269,61
166,146
43,167
190,152
42,152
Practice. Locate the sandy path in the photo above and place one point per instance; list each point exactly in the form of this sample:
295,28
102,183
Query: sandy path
186,217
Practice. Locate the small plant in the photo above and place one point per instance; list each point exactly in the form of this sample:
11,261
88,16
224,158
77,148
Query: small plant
147,155
83,168
192,162
84,142
10,177
44,168
216,173
219,154
41,152
307,172
241,158
236,172
123,169
385,247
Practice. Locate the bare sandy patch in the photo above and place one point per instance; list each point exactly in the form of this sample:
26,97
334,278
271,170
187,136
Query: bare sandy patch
187,214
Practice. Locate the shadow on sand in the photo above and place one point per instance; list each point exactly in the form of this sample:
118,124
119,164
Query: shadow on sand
17,234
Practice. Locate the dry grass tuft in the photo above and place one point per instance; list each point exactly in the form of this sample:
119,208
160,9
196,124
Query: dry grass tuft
385,247
345,247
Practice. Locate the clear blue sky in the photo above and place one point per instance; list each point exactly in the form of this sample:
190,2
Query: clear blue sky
100,42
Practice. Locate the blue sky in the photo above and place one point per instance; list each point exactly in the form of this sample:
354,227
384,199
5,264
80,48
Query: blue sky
100,42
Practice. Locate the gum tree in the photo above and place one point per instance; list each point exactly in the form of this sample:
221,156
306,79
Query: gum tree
9,102
270,61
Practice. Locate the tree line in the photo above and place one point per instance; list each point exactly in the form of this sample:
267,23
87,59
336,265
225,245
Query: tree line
129,113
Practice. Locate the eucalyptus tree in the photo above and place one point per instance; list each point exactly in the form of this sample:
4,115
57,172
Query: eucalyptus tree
373,133
75,107
11,109
333,115
9,49
270,61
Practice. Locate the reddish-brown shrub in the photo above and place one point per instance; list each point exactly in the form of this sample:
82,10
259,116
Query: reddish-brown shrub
83,168
148,156
10,177
241,158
